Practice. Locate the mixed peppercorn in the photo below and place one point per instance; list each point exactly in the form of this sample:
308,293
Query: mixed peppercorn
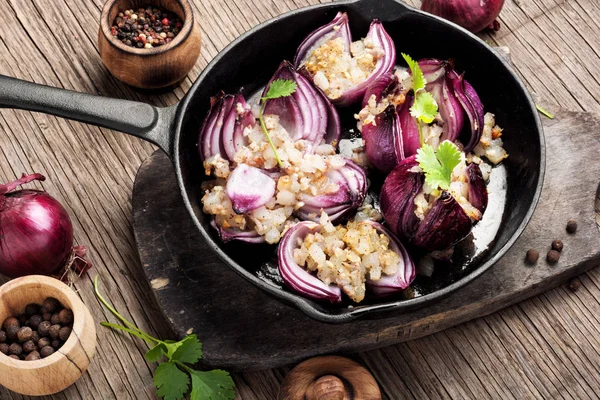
37,333
146,27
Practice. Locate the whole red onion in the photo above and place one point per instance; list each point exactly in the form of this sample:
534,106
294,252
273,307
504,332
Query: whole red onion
36,233
473,15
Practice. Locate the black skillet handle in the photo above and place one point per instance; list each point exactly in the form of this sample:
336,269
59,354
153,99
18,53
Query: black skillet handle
139,119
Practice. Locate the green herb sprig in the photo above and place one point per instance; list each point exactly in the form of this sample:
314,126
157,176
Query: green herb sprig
172,377
425,107
278,88
438,165
544,112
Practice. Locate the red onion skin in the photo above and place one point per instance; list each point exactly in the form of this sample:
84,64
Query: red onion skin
36,234
473,15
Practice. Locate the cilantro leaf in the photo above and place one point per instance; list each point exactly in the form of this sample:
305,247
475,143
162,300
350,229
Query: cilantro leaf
418,78
280,88
171,347
212,385
424,108
438,166
190,350
155,353
170,381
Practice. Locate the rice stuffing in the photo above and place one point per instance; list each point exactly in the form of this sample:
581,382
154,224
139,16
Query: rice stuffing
347,256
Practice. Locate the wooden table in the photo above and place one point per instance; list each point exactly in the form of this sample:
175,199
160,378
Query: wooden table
546,347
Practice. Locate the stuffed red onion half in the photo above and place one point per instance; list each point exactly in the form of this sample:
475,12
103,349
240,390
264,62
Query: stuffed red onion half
391,133
355,65
432,219
321,261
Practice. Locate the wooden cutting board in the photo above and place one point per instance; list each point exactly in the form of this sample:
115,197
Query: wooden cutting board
244,328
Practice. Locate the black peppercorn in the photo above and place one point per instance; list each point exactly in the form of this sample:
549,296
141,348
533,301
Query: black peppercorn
33,356
34,321
55,319
557,245
29,346
2,337
12,321
56,344
35,336
64,333
532,256
43,342
44,328
46,316
11,332
66,316
571,226
46,351
574,284
15,349
14,357
32,309
54,331
50,305
24,334
4,348
552,256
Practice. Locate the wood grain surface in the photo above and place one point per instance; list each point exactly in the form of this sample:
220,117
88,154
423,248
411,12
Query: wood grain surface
252,330
545,347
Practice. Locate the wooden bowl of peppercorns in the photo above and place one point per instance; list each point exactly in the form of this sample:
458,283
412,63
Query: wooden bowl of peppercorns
51,334
149,45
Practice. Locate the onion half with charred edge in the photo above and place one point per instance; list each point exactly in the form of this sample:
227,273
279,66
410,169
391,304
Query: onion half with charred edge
352,182
444,225
339,28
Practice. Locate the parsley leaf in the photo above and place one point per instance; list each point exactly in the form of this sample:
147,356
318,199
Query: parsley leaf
171,382
424,108
171,377
438,166
212,385
418,78
280,88
155,353
189,351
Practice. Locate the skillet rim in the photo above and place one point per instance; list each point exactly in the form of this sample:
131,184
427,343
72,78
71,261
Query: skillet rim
399,305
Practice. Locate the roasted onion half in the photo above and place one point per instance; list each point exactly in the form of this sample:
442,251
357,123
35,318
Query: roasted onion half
356,64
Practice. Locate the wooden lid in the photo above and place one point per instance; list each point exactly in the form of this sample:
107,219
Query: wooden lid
329,378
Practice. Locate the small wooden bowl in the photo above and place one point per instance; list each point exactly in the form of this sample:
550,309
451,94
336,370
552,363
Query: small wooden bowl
154,68
61,369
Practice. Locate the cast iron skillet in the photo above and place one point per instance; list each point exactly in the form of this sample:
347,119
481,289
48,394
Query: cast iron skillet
251,59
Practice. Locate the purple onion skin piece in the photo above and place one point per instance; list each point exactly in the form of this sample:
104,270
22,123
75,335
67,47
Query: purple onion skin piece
352,181
307,113
229,234
222,129
376,33
478,194
444,225
390,284
468,98
381,87
397,198
249,188
408,126
438,84
295,276
383,140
